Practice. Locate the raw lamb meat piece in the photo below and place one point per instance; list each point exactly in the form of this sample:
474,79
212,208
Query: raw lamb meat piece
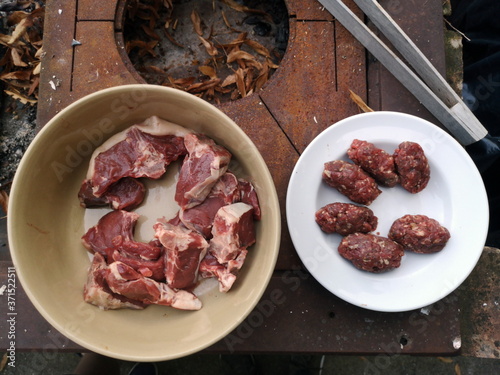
201,217
249,195
233,230
205,164
142,150
125,194
228,189
376,162
352,181
146,258
176,220
224,273
234,265
154,269
184,250
124,280
140,250
419,234
111,230
210,267
412,166
346,218
97,292
371,253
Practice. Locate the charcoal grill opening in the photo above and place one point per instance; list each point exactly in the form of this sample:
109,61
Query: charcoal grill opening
219,50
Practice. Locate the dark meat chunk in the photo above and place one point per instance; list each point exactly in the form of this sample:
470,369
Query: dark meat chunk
205,164
125,194
376,162
111,230
97,292
140,151
371,253
412,167
419,234
233,230
200,218
184,250
124,280
87,197
346,218
350,180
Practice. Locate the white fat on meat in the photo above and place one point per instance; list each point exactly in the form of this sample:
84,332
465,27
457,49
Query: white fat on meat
235,264
124,280
225,274
225,278
233,230
97,292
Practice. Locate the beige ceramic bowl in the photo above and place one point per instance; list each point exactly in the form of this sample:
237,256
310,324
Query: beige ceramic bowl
46,223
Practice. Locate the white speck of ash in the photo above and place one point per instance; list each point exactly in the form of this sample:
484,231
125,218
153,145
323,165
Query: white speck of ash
457,343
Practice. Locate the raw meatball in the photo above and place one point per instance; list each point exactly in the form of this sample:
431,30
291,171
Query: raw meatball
419,233
376,162
371,253
412,166
350,180
346,218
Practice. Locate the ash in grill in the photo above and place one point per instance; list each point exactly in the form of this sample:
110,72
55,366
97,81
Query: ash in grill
219,50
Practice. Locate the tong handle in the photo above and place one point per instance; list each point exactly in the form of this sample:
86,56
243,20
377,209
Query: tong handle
405,46
450,110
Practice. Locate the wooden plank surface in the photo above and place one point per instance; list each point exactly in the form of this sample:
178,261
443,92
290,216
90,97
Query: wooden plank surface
295,315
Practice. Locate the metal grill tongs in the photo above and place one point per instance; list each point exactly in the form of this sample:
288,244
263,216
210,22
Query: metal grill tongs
425,82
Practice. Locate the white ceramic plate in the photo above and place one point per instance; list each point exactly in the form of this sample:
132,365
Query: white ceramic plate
455,196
